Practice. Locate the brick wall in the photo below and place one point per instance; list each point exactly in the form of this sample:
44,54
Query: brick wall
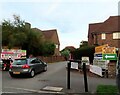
52,59
112,70
109,40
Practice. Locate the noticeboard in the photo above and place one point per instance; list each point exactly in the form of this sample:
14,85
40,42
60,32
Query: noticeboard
98,49
74,65
110,50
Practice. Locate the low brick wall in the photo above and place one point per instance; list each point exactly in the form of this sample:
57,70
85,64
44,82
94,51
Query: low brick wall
52,59
112,70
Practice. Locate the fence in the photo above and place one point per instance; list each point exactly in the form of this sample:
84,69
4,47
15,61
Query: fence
52,59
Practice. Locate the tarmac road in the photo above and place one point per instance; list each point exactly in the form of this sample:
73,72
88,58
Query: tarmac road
55,76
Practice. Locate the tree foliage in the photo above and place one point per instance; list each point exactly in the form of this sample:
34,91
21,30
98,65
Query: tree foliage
48,48
16,34
84,51
83,43
65,53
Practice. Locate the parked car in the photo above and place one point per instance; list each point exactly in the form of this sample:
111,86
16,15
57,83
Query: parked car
27,66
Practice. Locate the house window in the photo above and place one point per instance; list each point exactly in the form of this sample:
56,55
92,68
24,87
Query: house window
116,35
103,36
56,46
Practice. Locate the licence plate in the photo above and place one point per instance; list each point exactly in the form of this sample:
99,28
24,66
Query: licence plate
16,72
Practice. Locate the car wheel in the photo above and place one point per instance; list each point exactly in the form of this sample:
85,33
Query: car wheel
45,68
32,73
12,75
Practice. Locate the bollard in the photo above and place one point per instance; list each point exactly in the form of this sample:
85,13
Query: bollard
68,77
118,78
85,77
118,82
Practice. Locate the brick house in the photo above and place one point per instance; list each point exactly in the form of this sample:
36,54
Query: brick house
107,32
70,48
51,36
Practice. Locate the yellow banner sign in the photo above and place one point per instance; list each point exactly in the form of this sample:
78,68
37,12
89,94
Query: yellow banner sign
99,49
111,50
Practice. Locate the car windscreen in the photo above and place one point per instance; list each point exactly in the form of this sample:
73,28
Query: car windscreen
20,62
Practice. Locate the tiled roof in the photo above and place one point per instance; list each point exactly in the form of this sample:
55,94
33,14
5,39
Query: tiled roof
49,33
70,47
94,27
36,29
110,25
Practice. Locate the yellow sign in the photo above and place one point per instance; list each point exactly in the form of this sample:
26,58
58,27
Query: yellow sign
99,49
111,50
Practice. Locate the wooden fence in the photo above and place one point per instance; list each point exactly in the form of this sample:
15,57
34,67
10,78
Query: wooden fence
52,59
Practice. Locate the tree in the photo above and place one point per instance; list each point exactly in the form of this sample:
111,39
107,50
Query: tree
65,53
48,48
13,33
85,51
16,34
83,43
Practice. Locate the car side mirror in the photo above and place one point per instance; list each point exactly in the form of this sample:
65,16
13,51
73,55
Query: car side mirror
45,63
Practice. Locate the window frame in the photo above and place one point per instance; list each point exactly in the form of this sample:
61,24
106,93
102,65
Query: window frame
57,46
116,35
103,36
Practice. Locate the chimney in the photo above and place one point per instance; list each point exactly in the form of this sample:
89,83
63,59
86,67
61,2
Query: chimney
27,25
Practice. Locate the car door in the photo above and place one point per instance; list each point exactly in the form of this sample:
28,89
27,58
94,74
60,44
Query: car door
37,65
34,64
42,65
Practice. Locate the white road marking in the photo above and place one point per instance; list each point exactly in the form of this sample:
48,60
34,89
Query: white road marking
51,88
32,90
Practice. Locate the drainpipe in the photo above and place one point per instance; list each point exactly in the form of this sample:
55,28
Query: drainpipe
96,39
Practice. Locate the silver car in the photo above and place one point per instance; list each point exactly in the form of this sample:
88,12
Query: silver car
27,66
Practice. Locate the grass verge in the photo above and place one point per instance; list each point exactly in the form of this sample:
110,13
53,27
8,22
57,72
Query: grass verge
107,90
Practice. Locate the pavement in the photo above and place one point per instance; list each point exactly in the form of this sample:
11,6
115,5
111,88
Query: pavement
76,88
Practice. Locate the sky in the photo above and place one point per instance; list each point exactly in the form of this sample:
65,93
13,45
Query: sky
71,18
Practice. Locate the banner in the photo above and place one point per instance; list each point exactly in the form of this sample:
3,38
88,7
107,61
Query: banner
12,53
96,70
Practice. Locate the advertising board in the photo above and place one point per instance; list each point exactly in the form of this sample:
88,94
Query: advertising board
99,49
12,53
96,70
74,65
101,63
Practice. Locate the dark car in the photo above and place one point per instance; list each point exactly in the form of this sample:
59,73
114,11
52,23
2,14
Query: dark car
27,66
6,64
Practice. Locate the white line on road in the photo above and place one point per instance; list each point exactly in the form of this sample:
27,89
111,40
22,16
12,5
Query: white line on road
32,90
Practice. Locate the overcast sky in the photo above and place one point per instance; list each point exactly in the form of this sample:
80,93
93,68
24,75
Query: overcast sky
71,18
